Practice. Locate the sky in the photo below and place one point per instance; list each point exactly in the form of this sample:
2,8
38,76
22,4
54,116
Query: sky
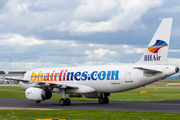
58,33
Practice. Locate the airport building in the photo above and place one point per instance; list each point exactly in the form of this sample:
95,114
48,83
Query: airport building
12,74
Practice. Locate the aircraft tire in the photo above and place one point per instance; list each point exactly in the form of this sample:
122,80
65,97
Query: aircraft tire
62,102
106,100
101,100
68,101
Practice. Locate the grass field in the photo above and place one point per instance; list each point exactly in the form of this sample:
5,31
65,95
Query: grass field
171,80
84,114
161,85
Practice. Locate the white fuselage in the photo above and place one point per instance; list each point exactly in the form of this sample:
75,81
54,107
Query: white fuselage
106,79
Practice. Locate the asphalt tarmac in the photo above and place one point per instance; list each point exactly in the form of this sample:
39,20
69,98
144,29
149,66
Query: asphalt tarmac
23,104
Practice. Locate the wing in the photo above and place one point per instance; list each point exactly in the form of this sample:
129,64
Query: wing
42,83
72,88
17,79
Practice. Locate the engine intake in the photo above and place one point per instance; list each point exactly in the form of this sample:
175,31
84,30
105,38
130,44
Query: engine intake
177,69
37,94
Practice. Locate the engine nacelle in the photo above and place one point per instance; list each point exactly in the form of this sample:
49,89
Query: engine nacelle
37,94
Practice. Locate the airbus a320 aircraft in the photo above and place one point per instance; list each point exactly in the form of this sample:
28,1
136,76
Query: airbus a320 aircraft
100,81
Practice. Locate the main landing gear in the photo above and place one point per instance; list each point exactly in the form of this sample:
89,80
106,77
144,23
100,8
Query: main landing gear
63,101
104,98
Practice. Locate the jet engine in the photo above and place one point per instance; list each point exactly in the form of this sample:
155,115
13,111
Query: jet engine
37,94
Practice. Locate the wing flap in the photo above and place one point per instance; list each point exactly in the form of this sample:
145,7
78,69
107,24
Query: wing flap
63,85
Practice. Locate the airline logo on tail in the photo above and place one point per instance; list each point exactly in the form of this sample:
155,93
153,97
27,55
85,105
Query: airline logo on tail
158,45
155,49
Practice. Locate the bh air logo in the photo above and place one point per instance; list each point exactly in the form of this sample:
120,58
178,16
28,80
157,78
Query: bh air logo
154,49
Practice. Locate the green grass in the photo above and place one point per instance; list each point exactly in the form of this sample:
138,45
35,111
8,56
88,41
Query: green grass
171,80
161,85
132,95
12,92
83,114
153,95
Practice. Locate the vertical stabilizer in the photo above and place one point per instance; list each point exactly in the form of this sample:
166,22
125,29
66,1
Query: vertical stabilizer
157,50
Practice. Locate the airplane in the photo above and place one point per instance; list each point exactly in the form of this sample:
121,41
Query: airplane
99,81
1,81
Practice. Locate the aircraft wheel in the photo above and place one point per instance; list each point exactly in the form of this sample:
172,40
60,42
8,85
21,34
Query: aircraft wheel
106,100
101,101
62,102
37,101
68,101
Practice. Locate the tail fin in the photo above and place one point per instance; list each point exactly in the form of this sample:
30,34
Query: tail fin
157,50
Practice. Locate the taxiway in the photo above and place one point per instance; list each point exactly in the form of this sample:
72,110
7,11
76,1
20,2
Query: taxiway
164,106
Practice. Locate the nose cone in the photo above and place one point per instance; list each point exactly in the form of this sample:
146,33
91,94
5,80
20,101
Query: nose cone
177,69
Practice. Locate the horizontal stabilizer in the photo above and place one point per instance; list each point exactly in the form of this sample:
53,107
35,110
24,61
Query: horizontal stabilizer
148,69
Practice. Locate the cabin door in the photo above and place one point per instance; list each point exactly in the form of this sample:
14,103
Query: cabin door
128,74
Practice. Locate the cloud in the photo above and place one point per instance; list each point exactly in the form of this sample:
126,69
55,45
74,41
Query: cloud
30,52
43,33
135,50
126,46
173,9
99,53
18,40
89,16
109,16
173,61
172,50
95,45
33,52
